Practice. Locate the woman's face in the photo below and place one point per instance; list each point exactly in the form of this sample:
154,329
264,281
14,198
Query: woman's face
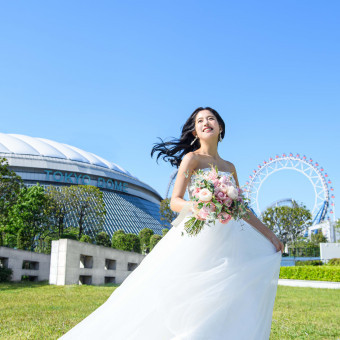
206,125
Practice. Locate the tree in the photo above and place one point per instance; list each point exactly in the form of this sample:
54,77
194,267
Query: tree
70,233
127,242
86,239
318,238
103,239
164,231
29,213
154,239
88,208
115,237
10,184
44,245
167,215
59,206
23,239
133,242
288,223
144,236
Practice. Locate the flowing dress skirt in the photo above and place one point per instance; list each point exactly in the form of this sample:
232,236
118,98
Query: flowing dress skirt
218,285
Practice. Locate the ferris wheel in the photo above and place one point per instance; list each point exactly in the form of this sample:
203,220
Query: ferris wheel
171,183
324,196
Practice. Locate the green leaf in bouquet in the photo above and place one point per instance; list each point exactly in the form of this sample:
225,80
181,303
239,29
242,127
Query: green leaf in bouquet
219,207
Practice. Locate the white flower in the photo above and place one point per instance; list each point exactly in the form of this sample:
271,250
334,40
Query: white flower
205,195
232,192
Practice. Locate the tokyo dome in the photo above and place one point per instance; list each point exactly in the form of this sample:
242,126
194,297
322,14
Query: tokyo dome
130,204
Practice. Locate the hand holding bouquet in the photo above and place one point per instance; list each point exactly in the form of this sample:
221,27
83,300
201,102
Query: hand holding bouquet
214,197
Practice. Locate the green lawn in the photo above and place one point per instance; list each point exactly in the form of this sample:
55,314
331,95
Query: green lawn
41,311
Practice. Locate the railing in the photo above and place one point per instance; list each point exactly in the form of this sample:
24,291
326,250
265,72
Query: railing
304,251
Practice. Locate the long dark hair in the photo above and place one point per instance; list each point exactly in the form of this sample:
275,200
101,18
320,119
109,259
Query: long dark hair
174,150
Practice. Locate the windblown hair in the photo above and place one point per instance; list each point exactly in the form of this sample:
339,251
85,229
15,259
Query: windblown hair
174,150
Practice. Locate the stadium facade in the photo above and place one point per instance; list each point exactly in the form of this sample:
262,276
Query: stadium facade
130,204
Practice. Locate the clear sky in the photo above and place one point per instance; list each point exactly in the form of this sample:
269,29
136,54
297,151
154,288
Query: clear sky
111,76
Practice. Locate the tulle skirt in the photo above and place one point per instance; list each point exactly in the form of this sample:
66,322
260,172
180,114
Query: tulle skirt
220,284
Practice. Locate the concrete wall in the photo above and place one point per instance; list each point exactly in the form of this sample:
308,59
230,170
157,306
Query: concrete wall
329,251
38,265
74,262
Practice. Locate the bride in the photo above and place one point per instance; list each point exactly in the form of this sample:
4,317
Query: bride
220,284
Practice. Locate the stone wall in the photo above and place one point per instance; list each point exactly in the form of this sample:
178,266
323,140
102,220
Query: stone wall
25,264
74,262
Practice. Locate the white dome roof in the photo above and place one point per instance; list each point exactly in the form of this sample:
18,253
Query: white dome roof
25,145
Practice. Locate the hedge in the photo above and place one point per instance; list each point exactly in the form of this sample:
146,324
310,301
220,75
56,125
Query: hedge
309,263
5,274
334,262
318,273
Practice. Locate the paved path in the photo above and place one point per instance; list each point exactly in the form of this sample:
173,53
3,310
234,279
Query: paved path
309,283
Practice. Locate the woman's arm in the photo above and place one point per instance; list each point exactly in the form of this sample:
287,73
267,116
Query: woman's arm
256,223
185,170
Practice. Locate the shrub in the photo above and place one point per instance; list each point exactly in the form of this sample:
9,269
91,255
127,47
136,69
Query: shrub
70,233
319,273
144,236
134,242
10,241
103,239
164,231
334,262
154,239
5,274
115,238
309,263
44,245
127,242
86,239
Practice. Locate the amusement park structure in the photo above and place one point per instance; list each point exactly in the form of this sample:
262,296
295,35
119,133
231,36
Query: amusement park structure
323,211
323,208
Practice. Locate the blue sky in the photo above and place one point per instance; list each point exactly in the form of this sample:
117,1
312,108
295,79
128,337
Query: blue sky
110,77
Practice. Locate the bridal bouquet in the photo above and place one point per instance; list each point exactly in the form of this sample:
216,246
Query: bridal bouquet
215,197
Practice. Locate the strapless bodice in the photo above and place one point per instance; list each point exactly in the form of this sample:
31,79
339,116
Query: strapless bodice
204,170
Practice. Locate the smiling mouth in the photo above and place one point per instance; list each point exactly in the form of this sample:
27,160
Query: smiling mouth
209,129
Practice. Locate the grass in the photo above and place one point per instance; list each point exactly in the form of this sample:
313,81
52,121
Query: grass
43,311
306,313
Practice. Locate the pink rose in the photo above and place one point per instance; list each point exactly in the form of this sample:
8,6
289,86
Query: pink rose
196,192
205,195
221,196
212,207
223,217
223,187
203,213
228,201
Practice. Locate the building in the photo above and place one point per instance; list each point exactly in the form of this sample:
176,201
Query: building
131,204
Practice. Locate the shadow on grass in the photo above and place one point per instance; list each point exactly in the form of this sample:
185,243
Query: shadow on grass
23,284
28,284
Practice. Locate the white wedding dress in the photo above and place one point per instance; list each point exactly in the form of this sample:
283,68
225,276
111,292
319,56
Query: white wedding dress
220,284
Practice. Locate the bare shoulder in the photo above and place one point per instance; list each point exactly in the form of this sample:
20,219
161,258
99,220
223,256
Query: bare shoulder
190,160
229,165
